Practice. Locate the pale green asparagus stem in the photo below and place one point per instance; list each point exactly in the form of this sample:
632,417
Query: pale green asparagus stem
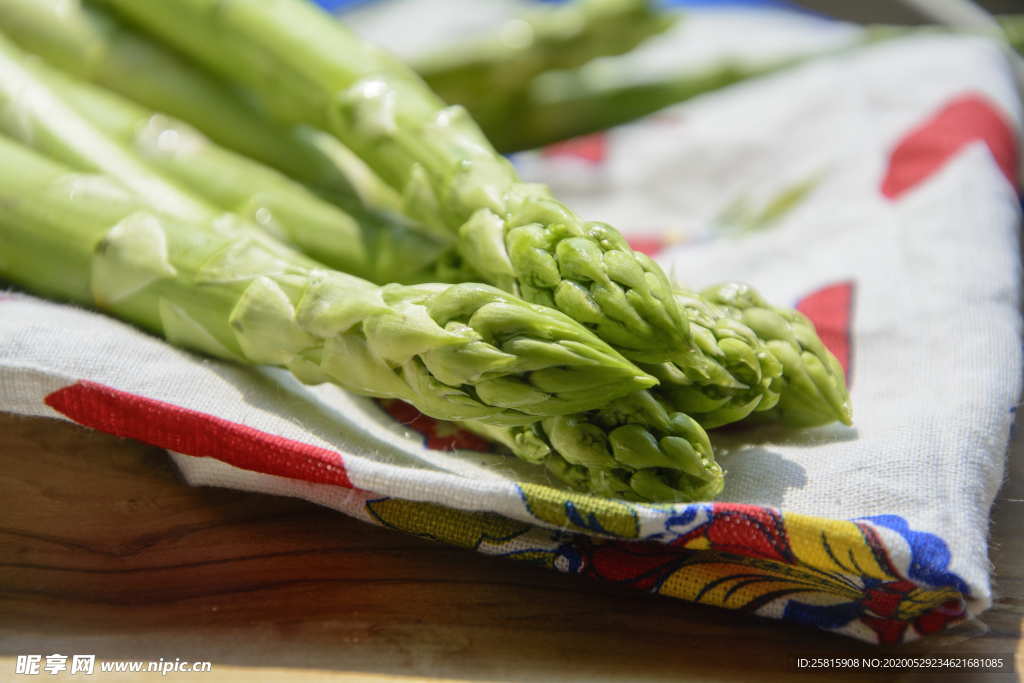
454,351
633,448
32,113
608,92
94,46
736,347
568,103
489,75
1013,26
308,68
812,386
368,244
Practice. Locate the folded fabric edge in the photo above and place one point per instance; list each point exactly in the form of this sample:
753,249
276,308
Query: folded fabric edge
874,579
869,579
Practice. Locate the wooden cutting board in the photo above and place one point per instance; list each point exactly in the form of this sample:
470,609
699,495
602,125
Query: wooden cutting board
104,550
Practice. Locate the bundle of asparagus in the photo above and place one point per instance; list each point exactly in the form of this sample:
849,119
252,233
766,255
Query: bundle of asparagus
151,241
516,236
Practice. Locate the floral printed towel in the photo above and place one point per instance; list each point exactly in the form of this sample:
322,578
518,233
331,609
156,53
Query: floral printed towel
875,191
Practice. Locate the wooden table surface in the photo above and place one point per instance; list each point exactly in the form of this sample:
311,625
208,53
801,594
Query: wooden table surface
104,550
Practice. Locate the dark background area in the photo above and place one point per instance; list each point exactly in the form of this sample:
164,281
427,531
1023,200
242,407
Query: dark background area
891,11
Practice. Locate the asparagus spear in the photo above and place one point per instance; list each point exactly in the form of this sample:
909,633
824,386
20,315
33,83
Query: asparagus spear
93,45
562,104
565,103
489,75
308,68
463,351
812,386
633,448
1013,26
721,334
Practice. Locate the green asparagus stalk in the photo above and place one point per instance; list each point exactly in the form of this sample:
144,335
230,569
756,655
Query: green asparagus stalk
32,113
308,68
722,335
1013,27
454,351
633,448
359,241
489,75
94,46
563,104
812,386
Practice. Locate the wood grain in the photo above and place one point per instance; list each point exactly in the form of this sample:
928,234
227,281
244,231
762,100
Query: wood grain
103,549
